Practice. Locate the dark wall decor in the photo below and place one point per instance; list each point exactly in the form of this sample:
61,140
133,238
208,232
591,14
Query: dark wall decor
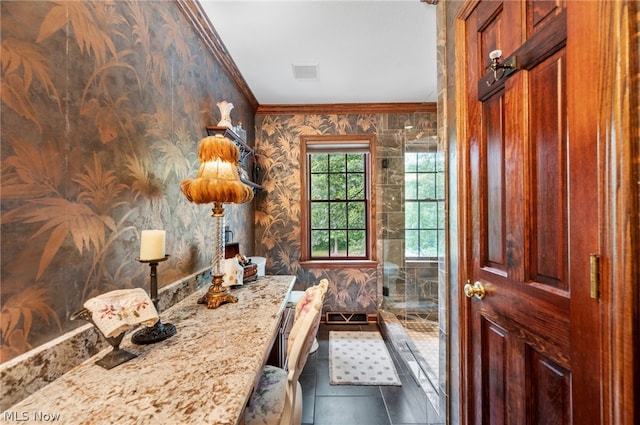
277,221
103,106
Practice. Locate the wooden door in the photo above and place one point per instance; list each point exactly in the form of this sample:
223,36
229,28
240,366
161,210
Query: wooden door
532,342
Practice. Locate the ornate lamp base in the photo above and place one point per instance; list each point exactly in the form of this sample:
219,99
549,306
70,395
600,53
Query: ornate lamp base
217,294
156,333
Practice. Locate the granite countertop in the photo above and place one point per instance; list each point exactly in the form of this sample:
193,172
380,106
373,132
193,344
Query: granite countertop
202,375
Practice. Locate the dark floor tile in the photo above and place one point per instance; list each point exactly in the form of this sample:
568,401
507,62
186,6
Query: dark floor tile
308,384
323,349
404,405
359,410
326,404
310,365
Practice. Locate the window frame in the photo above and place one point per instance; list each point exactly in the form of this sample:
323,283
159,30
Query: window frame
433,149
337,144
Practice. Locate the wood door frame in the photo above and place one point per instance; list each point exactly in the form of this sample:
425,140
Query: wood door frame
618,120
613,123
464,263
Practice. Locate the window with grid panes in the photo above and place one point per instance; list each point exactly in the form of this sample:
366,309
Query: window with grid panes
424,205
337,197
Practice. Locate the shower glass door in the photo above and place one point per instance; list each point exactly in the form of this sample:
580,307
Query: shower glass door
413,257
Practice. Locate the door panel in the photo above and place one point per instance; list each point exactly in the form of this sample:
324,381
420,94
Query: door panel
493,246
550,393
495,355
549,343
548,148
539,13
518,199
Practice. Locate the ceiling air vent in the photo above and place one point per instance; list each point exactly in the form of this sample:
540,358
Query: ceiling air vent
305,72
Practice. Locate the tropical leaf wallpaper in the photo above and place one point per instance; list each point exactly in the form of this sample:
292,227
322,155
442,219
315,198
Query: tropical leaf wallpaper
277,215
103,106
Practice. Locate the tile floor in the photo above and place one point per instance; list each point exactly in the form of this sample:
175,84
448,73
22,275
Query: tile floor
325,404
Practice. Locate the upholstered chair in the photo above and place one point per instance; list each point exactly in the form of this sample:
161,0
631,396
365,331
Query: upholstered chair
301,298
277,400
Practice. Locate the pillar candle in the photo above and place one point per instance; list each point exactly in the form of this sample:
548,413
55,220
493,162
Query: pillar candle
152,244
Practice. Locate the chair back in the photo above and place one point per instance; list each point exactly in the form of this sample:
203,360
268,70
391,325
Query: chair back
301,337
311,295
312,299
298,354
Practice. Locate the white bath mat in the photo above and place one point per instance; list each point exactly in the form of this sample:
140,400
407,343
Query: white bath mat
360,358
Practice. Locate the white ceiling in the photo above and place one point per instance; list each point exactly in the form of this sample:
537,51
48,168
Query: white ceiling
366,51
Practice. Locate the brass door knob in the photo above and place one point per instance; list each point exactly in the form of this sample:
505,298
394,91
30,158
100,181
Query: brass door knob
475,290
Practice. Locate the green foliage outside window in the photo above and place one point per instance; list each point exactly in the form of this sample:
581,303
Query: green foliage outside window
338,205
424,205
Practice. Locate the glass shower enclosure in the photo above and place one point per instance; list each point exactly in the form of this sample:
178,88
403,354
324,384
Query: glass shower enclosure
413,250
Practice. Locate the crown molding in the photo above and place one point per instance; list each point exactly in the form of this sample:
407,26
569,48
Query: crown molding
348,108
203,26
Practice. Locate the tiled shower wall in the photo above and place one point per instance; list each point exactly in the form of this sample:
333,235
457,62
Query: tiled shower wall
409,282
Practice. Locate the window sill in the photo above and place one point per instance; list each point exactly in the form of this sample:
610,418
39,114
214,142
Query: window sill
338,264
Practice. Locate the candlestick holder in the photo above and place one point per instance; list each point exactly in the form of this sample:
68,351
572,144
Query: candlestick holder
160,331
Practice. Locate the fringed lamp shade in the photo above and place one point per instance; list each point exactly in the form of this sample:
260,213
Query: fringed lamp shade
217,182
217,179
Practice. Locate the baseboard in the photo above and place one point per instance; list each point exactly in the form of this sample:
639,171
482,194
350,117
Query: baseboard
349,318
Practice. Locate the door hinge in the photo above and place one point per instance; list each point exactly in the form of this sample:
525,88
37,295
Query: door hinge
594,272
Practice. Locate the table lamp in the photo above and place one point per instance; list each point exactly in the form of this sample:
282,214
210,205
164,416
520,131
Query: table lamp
218,182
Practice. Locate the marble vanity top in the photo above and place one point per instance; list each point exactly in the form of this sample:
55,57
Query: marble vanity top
202,375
